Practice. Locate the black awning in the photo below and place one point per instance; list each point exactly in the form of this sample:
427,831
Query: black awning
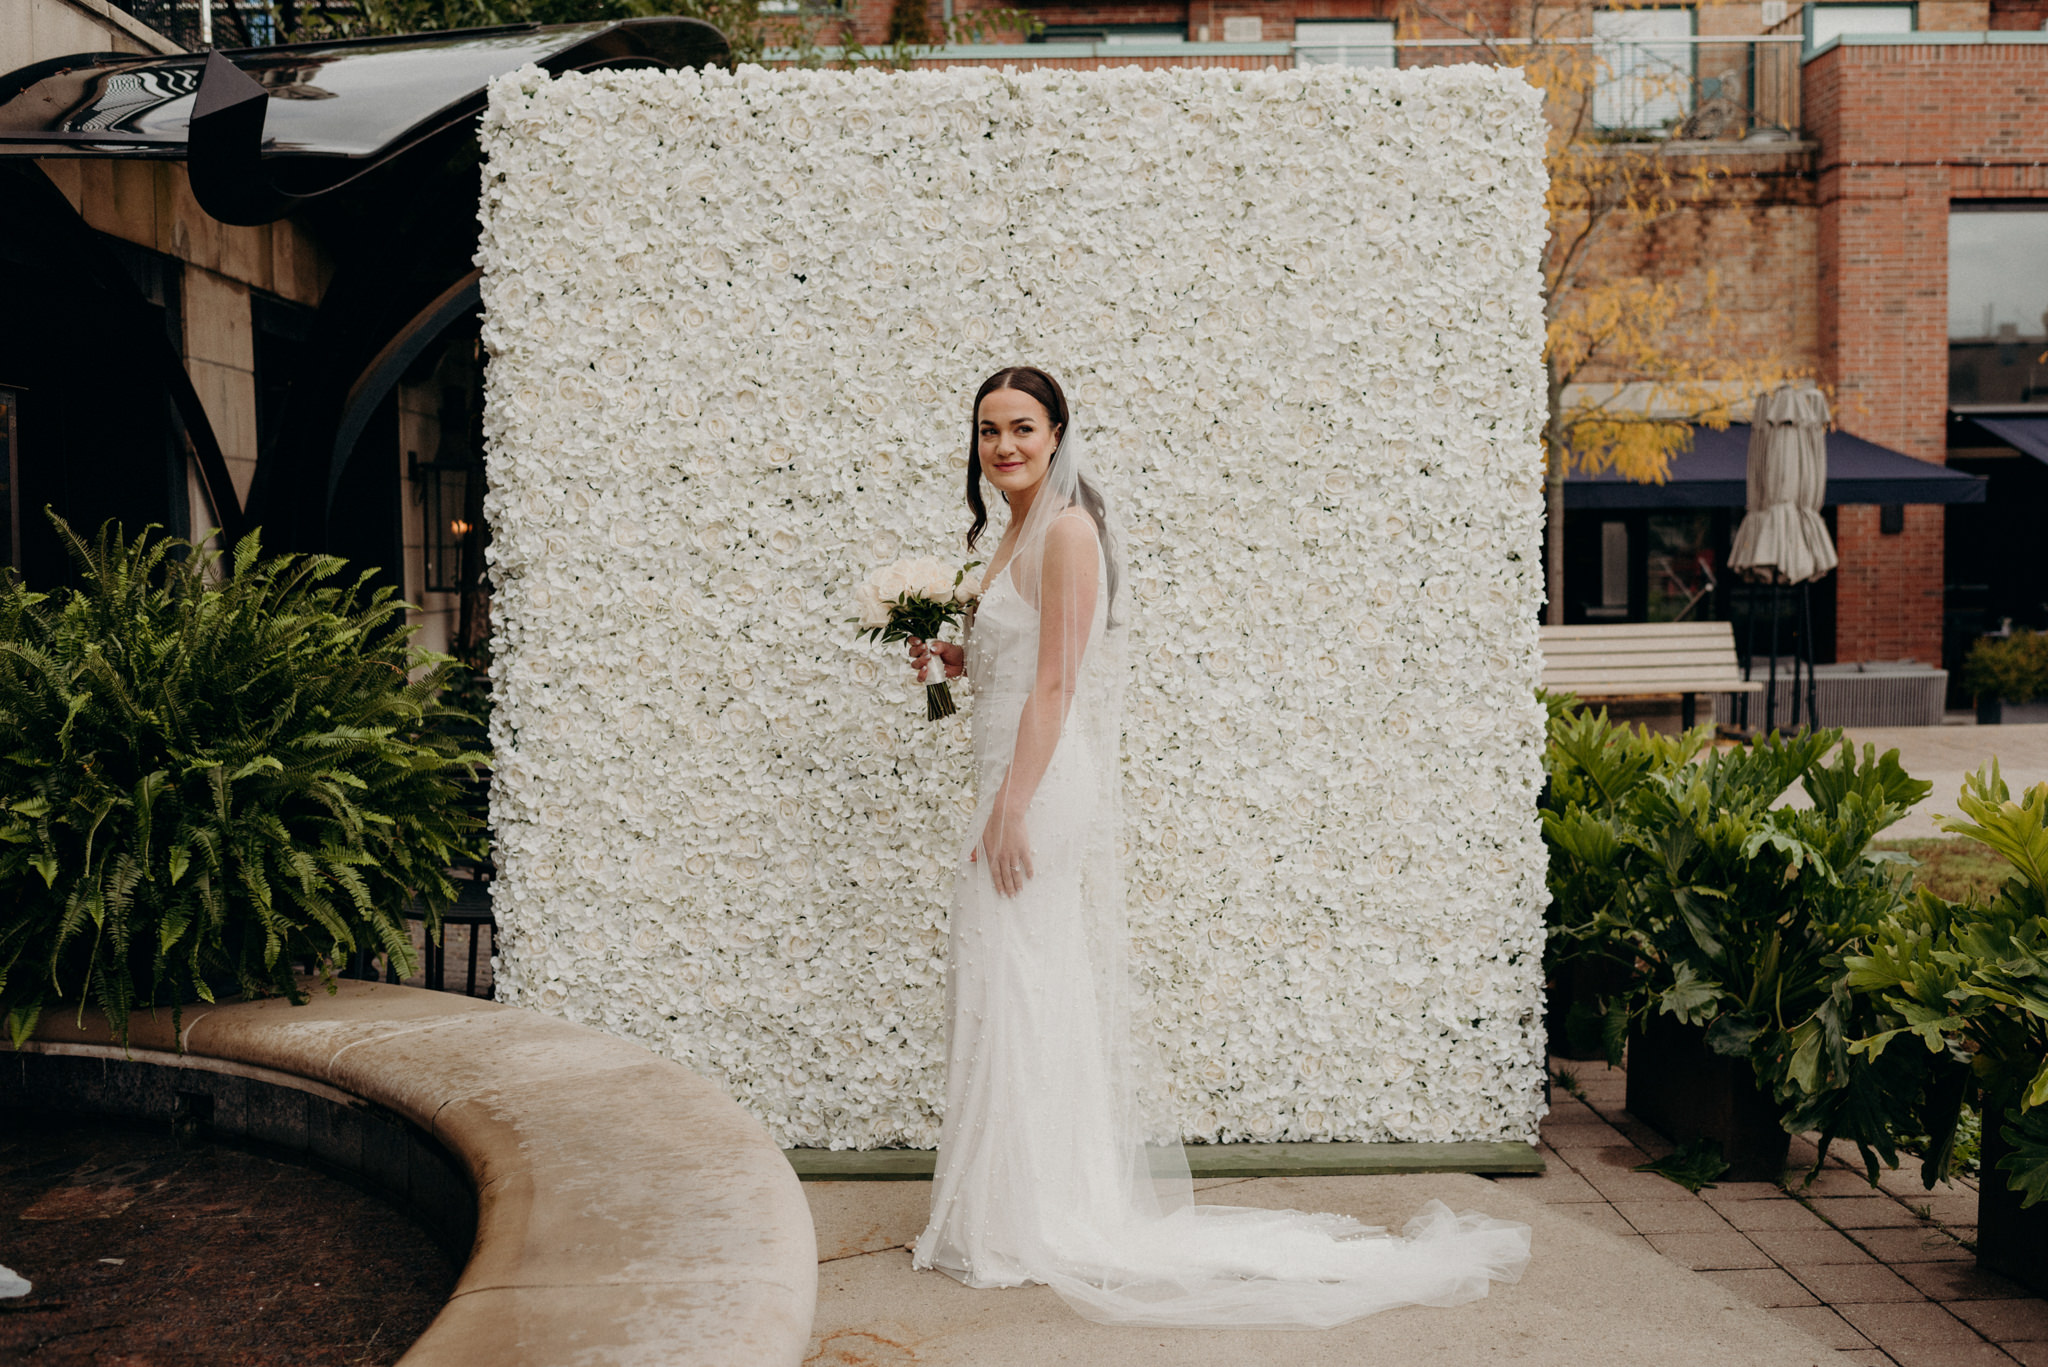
1715,474
300,119
2023,433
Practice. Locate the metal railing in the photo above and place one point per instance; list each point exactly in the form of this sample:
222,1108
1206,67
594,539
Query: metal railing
1707,86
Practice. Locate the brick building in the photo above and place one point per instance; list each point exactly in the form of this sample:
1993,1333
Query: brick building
1917,140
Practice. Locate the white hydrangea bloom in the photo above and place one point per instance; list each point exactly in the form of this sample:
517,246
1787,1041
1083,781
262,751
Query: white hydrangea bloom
735,323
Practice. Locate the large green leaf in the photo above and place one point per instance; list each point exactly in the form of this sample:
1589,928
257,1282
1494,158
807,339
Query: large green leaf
2027,1164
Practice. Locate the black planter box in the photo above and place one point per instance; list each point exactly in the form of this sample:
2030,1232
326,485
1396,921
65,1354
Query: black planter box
1579,979
2010,1241
1685,1091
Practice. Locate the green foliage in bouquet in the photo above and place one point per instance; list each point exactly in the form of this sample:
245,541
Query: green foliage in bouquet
1670,862
2014,668
212,768
1970,980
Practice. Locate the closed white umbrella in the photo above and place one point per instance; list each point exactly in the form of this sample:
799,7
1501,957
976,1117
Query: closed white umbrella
1782,539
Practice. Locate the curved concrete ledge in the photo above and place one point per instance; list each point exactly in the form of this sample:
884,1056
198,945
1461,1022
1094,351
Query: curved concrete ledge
626,1210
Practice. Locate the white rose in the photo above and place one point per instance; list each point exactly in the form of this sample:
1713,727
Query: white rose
891,582
873,611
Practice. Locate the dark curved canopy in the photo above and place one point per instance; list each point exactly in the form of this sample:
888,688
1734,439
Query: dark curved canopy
1715,474
266,128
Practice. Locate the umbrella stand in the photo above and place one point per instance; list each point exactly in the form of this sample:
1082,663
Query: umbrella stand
1805,684
1771,688
1748,596
1806,652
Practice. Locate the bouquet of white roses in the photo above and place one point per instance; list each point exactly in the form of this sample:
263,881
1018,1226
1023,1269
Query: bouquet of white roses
917,598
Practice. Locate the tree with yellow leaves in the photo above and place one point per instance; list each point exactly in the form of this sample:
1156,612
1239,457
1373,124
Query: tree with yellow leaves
1625,391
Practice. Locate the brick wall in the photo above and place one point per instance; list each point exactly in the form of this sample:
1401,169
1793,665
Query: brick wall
1904,130
1747,228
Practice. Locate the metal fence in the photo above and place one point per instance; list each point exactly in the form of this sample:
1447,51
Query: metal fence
1704,86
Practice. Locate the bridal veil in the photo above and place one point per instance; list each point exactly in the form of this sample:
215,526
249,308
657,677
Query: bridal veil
1059,1162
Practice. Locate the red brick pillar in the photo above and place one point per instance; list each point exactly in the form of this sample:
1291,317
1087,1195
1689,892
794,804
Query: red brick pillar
1883,275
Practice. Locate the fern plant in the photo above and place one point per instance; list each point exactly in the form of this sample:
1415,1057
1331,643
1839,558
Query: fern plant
211,768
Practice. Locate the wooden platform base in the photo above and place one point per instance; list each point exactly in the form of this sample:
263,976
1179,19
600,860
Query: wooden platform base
1215,1160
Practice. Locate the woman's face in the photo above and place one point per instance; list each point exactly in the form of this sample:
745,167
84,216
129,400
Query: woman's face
1017,439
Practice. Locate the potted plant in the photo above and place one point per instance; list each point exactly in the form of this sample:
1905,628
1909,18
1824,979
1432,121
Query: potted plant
2008,675
214,767
1733,914
1591,768
1970,981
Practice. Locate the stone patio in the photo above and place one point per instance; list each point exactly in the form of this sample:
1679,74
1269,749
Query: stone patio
1882,1276
1629,1268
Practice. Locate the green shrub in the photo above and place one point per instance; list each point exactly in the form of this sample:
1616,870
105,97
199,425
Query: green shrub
1970,980
1671,865
2014,668
212,769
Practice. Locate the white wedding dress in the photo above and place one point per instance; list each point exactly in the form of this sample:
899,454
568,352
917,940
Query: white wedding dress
1044,1170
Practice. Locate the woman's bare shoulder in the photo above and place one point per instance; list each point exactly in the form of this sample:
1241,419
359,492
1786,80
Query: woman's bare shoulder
1071,537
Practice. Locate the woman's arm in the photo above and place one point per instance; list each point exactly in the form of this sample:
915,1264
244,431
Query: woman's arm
1066,612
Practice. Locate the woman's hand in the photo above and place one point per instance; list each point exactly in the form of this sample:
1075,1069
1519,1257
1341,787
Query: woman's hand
955,657
1007,848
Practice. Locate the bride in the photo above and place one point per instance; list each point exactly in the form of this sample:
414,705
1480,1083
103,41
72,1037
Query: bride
1045,1173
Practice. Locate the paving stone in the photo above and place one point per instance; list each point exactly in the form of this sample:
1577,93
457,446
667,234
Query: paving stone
1599,1215
1770,1287
1834,1182
2033,1354
1979,1354
1960,1282
1855,1283
1709,1251
1803,1247
1859,1357
1926,1244
1556,1186
1863,1212
1913,1322
2011,1321
1824,1324
1610,1158
1727,1193
1619,1184
1960,1209
1905,1183
1568,1110
1564,1138
1755,1215
1671,1217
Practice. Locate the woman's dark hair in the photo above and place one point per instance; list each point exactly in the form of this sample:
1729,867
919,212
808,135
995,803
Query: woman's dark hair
1028,379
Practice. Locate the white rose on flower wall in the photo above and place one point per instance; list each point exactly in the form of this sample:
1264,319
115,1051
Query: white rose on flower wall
735,323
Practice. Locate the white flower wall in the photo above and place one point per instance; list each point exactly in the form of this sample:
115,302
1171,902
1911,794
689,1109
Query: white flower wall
735,325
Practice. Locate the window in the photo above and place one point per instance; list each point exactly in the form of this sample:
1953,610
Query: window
280,328
1346,43
1683,559
1645,58
1998,304
1614,567
1825,23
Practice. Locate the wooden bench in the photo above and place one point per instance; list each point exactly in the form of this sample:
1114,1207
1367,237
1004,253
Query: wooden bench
1645,660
